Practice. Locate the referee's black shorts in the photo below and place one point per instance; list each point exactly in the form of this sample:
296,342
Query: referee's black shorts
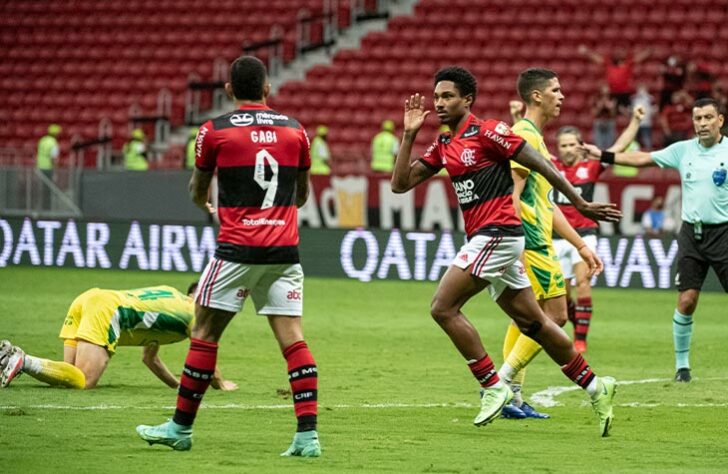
694,257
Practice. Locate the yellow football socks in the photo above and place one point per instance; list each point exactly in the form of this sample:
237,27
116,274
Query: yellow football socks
54,373
523,352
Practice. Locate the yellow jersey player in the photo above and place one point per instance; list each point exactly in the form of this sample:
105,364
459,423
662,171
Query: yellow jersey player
533,200
100,320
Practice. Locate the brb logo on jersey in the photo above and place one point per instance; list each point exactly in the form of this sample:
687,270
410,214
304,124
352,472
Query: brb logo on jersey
468,157
242,120
465,191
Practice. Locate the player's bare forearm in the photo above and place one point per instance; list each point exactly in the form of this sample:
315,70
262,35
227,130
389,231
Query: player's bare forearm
629,133
156,366
533,160
199,187
302,188
407,175
564,229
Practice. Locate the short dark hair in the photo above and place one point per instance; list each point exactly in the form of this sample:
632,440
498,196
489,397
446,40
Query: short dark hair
248,76
533,79
193,286
569,130
463,79
704,102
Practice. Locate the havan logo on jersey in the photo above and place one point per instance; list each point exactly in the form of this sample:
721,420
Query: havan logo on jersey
498,136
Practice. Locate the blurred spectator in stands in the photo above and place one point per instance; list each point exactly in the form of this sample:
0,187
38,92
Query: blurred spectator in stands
320,154
190,148
385,147
135,152
654,221
48,150
619,72
604,108
644,99
672,78
516,109
700,80
675,118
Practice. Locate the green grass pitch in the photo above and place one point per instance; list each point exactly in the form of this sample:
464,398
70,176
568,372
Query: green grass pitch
394,394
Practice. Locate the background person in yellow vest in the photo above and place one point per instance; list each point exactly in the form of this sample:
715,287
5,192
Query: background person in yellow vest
135,152
320,154
48,149
385,147
190,148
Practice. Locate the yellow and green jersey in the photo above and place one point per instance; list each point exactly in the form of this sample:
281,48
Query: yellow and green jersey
154,315
537,207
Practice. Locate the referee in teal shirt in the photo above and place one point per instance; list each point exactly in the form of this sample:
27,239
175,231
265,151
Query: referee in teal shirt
703,239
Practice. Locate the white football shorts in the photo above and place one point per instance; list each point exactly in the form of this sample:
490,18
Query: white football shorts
495,259
569,256
275,289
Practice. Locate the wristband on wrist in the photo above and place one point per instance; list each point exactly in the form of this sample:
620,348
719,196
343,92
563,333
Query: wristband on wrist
607,157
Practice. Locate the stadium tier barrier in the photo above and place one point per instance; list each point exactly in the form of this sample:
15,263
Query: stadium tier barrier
362,253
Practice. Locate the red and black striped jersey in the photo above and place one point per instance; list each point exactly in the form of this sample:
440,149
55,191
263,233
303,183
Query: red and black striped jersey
477,160
583,175
258,154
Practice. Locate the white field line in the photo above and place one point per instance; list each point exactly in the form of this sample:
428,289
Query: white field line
543,398
547,397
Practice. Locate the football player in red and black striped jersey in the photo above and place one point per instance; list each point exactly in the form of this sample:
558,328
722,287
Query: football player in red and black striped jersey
583,175
476,155
262,161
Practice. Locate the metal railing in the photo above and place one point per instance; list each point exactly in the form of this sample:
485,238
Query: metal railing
28,191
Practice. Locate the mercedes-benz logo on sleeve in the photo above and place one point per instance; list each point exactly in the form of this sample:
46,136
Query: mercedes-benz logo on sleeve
242,120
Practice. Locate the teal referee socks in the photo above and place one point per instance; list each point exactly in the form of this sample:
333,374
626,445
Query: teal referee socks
682,332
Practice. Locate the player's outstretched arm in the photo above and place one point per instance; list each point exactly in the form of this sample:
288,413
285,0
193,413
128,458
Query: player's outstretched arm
638,159
532,159
154,363
200,189
630,132
565,230
407,175
219,383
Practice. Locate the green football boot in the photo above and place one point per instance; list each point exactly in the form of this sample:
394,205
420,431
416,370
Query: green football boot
603,404
169,434
305,444
492,401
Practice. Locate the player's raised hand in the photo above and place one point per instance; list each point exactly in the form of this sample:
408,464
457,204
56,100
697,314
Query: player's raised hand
592,260
414,113
516,109
600,211
590,151
638,113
